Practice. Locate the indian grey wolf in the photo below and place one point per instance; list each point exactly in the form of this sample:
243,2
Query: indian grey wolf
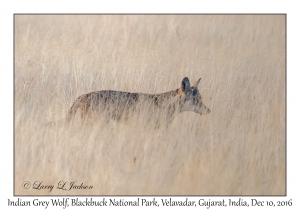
118,105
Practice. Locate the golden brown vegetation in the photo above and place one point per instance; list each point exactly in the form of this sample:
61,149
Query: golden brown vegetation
237,149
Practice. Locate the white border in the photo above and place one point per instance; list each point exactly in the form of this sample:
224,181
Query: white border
8,8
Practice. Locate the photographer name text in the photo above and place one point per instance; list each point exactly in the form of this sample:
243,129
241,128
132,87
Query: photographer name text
61,185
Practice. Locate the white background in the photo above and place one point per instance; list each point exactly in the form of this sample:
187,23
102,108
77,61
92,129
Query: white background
8,8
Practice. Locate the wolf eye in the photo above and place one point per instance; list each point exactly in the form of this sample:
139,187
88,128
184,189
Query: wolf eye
195,92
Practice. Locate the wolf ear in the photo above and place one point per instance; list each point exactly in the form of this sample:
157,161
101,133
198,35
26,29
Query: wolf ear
196,85
185,85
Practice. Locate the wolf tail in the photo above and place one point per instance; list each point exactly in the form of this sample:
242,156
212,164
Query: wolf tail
72,111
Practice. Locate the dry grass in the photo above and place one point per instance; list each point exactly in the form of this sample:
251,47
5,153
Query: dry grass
238,149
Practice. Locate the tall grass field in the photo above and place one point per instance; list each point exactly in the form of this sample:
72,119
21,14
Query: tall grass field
237,149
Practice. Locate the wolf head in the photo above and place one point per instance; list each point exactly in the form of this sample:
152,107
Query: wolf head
190,98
